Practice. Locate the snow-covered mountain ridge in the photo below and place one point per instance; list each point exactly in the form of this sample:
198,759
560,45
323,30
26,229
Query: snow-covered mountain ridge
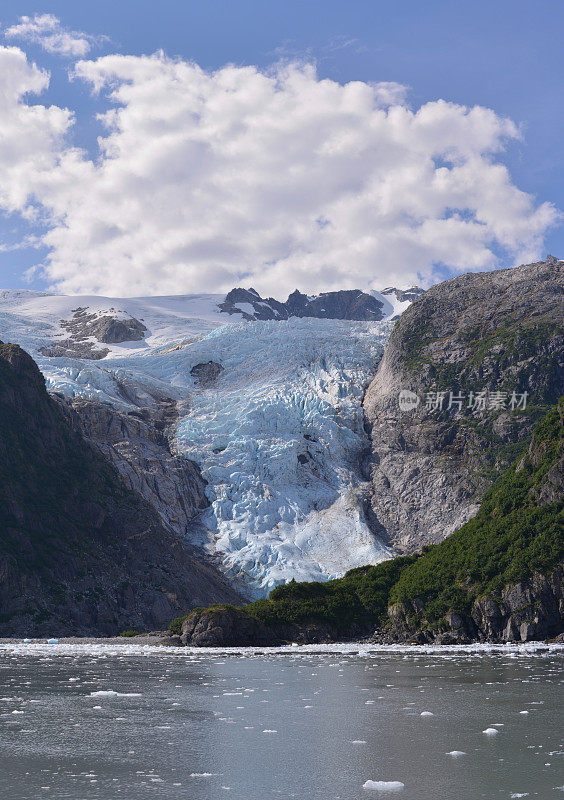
270,410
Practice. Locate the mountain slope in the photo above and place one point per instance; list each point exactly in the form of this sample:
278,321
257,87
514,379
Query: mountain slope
499,332
79,552
485,572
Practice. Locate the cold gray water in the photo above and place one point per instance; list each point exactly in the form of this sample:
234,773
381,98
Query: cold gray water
98,723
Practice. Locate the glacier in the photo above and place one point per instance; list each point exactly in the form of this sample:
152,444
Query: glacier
279,435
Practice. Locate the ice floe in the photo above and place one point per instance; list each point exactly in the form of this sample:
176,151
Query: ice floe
383,786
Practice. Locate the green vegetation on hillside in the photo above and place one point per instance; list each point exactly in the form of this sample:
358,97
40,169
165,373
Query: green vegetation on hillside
358,599
487,354
511,537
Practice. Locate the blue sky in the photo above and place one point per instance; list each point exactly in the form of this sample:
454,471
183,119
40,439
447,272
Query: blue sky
506,56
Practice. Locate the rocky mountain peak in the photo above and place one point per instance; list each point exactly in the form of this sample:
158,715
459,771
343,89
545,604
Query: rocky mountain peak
349,304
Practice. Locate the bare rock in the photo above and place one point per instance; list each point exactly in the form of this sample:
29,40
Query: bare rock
487,331
206,374
138,446
224,626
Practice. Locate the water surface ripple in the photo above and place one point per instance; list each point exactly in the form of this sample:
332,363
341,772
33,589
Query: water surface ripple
95,722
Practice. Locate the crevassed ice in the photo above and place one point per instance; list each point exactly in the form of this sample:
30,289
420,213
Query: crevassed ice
279,437
280,441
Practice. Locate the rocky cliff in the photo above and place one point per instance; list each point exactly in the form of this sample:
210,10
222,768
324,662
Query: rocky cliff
481,337
500,577
137,443
80,552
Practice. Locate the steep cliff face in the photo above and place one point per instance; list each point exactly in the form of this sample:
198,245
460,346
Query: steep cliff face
495,333
80,552
500,577
137,444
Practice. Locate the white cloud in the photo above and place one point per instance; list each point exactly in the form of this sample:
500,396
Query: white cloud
31,136
47,31
276,180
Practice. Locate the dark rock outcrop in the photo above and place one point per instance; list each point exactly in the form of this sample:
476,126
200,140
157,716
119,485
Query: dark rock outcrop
527,611
111,330
80,552
224,627
84,326
228,626
206,374
68,348
105,328
350,304
497,332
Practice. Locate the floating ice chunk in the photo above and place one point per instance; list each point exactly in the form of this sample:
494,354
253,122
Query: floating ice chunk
490,731
384,786
358,741
269,731
519,794
427,714
52,641
26,641
202,774
111,693
456,753
523,712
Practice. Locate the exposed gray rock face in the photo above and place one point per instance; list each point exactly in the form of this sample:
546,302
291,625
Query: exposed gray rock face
137,444
349,304
499,331
113,331
106,328
528,611
67,348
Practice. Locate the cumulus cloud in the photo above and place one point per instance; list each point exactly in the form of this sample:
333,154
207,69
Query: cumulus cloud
47,31
273,179
31,136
